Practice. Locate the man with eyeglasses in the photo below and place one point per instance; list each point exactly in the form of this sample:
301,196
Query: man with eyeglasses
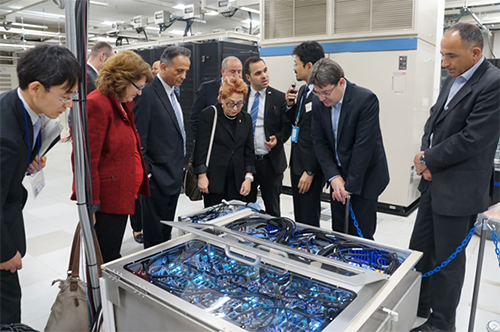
348,143
267,107
208,91
160,122
48,77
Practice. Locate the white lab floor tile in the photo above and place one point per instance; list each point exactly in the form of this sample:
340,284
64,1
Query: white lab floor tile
51,220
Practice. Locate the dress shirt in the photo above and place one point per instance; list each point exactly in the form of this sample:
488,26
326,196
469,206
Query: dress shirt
169,91
260,135
335,114
33,116
88,63
458,84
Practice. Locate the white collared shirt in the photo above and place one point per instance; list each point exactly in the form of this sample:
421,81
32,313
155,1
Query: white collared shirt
33,116
260,135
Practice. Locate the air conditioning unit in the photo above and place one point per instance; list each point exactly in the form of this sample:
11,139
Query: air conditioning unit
140,22
191,11
162,17
224,6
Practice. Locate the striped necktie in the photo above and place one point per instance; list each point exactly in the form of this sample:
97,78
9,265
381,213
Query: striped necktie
178,115
36,130
254,111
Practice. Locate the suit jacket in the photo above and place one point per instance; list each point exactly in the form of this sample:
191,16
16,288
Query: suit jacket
360,147
161,138
275,123
465,136
91,77
205,96
303,158
112,155
230,144
13,165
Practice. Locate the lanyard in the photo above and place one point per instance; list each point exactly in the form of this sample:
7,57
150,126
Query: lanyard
302,99
28,137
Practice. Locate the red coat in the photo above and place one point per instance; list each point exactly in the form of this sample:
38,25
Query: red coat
112,154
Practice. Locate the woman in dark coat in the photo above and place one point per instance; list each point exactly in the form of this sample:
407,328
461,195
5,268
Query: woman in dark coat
229,174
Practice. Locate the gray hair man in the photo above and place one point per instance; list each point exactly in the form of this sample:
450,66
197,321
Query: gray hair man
348,143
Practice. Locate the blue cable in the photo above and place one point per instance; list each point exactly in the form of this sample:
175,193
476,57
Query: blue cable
355,221
452,256
495,241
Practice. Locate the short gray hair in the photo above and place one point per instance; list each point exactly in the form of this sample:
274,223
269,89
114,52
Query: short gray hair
324,72
470,34
226,59
171,52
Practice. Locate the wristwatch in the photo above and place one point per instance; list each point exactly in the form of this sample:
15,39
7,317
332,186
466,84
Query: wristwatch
309,173
422,159
248,176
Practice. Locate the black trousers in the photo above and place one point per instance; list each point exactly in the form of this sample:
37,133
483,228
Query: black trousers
365,211
270,186
438,236
155,208
110,229
136,219
10,298
307,206
231,191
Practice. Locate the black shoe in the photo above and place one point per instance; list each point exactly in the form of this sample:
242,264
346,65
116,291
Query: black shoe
139,238
427,327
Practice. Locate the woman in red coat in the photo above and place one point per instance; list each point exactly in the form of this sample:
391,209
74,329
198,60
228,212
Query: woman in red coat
118,169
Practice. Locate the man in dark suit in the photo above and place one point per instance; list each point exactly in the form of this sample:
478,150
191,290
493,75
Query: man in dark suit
267,107
99,53
159,120
209,91
456,163
48,77
306,175
348,143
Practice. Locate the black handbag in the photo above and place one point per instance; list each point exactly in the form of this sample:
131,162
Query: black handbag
190,179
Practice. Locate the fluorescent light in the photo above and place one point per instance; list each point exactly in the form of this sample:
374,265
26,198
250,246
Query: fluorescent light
176,32
250,10
179,6
107,22
30,32
41,14
98,3
30,25
16,45
212,13
247,21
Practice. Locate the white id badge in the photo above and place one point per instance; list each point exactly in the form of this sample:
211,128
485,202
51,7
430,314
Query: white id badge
37,182
295,134
308,107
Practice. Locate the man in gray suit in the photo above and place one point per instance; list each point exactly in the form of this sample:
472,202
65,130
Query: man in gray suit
159,120
456,163
99,53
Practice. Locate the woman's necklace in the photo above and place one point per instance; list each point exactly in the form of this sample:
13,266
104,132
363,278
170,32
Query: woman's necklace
229,117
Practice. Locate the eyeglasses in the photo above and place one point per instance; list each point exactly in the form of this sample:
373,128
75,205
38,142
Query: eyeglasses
231,105
140,89
73,97
324,94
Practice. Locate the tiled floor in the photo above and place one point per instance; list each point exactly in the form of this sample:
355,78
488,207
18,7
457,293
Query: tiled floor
51,219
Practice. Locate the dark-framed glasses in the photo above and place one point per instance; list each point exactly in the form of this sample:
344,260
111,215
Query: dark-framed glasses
231,104
324,94
138,88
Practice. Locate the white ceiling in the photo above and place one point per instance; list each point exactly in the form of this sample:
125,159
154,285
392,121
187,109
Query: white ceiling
113,18
102,19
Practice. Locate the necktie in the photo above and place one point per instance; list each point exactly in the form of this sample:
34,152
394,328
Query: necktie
254,111
178,115
335,125
36,130
302,100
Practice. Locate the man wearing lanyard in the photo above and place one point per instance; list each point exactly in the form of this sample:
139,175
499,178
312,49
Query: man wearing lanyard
48,77
267,107
306,175
348,143
456,164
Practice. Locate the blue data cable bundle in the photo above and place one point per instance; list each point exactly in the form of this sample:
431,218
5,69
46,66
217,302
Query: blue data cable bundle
257,297
319,242
220,210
